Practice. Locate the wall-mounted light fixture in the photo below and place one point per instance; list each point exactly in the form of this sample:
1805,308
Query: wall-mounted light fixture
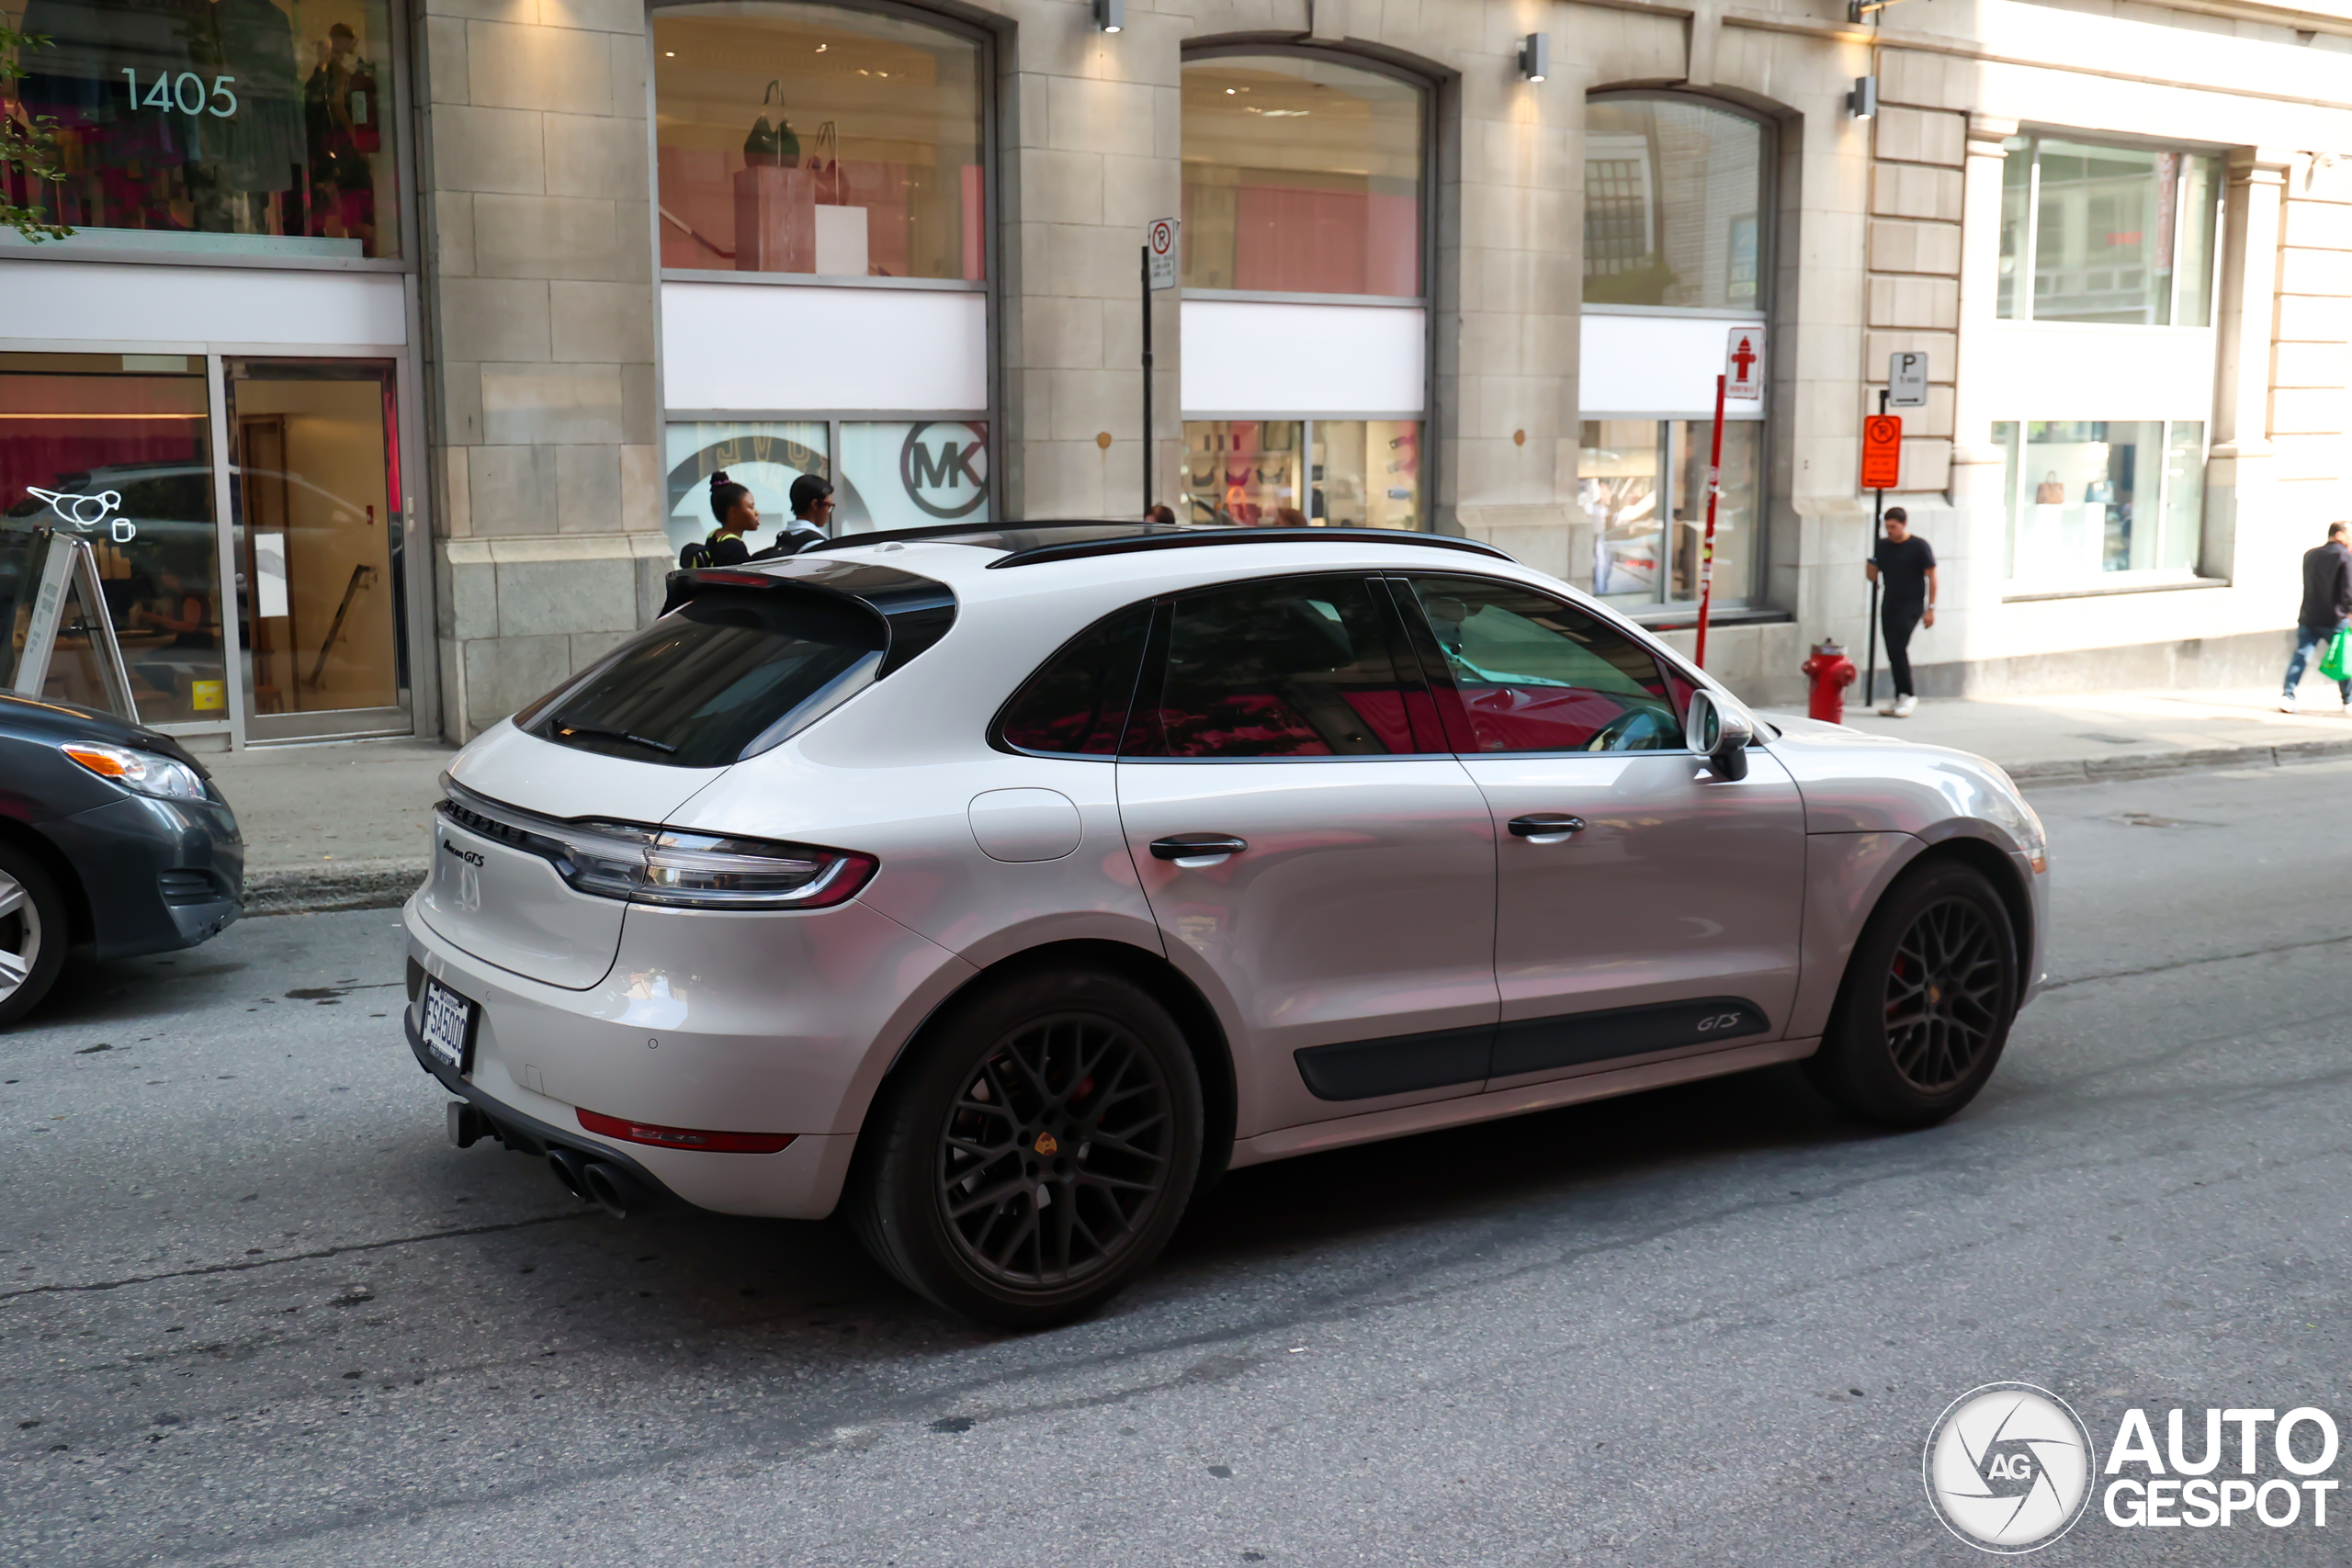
1535,56
1863,102
1111,15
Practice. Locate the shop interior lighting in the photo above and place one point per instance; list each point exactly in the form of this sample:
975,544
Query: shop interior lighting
1111,15
1863,102
1535,56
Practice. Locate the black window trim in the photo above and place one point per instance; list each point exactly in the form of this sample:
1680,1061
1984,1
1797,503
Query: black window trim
1425,648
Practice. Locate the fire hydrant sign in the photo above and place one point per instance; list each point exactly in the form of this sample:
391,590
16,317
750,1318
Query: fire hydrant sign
1883,452
1744,365
1161,239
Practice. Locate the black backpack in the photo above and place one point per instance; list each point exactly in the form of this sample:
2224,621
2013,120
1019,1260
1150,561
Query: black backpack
694,557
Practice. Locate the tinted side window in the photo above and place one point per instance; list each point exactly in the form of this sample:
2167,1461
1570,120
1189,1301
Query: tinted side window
1296,667
1534,674
1076,702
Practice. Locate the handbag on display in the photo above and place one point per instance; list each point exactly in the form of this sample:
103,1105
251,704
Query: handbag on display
2099,492
2051,492
775,146
825,157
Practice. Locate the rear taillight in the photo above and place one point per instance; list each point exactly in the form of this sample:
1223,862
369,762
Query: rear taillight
661,865
684,1137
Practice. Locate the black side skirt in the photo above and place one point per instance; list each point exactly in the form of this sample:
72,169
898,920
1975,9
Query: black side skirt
1404,1064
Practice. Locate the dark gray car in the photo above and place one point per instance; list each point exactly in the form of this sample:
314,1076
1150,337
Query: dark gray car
113,842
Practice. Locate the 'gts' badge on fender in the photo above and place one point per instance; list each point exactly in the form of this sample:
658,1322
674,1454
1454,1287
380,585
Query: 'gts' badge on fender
468,856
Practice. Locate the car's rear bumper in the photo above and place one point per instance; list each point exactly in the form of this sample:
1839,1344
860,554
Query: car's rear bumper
782,1024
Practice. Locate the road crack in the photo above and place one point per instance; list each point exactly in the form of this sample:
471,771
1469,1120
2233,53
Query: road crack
245,1266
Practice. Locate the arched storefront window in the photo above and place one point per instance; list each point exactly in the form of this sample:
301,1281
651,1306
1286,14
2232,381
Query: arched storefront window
1676,225
1306,182
842,152
811,139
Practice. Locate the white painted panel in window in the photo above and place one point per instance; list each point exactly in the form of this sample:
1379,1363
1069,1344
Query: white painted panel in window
97,302
740,345
2129,373
1664,366
269,566
841,241
1273,357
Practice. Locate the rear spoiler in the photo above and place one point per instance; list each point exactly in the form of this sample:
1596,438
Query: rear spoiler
915,612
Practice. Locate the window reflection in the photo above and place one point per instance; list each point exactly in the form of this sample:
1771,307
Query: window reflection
135,427
2122,235
809,138
1673,199
223,125
1643,484
1301,175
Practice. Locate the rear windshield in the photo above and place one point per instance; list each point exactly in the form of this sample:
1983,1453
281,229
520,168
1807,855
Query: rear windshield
710,679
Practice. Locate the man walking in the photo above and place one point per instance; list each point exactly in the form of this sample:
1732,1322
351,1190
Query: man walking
1907,564
2327,605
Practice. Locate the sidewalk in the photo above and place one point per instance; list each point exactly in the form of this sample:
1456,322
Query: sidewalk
2087,736
345,827
333,826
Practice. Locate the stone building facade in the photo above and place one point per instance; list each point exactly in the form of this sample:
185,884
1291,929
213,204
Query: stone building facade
591,252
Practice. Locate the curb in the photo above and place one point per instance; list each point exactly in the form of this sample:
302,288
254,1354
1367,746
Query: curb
2150,764
323,889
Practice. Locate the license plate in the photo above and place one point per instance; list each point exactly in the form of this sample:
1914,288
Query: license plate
448,1028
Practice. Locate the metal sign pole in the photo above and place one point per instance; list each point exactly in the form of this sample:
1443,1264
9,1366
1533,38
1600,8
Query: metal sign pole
1144,258
1877,510
1707,547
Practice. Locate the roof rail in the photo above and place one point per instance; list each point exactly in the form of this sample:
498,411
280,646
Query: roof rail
1077,549
951,530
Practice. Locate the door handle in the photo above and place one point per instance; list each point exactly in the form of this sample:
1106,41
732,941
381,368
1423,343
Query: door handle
1545,827
1184,847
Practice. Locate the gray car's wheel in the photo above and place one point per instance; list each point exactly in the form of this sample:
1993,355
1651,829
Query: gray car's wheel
1035,1151
32,932
1927,999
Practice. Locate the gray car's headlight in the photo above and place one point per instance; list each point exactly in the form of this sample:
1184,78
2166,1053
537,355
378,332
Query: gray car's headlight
143,771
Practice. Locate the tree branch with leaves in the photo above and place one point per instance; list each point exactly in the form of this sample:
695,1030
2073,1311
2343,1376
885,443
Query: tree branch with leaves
27,142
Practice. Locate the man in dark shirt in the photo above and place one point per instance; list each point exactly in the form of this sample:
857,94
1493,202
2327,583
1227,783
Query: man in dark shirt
1907,564
2327,605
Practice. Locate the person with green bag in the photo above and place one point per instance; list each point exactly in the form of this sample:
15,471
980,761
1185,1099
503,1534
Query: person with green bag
2327,610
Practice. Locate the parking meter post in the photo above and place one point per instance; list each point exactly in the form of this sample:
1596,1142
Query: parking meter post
1707,544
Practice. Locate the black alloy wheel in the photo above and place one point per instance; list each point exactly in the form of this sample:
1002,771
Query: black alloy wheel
1924,1012
1056,1152
1945,989
1035,1149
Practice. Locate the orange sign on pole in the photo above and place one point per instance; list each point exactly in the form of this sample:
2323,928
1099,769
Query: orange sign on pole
1883,452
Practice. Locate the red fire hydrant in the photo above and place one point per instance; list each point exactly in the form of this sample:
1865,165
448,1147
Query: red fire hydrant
1831,673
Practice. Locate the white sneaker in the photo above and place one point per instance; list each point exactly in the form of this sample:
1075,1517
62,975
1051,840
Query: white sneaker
1886,708
1905,704
2287,703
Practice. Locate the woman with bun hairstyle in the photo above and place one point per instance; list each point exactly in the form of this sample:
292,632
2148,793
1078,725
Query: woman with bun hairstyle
738,515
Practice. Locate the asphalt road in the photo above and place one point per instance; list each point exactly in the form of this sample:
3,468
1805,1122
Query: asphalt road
255,1309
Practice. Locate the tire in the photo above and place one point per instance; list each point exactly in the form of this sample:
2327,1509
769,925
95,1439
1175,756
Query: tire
33,932
1929,995
1004,1099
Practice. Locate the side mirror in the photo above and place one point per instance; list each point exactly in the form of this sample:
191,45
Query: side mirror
1720,734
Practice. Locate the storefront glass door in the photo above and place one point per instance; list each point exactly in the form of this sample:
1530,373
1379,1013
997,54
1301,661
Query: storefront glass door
316,501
